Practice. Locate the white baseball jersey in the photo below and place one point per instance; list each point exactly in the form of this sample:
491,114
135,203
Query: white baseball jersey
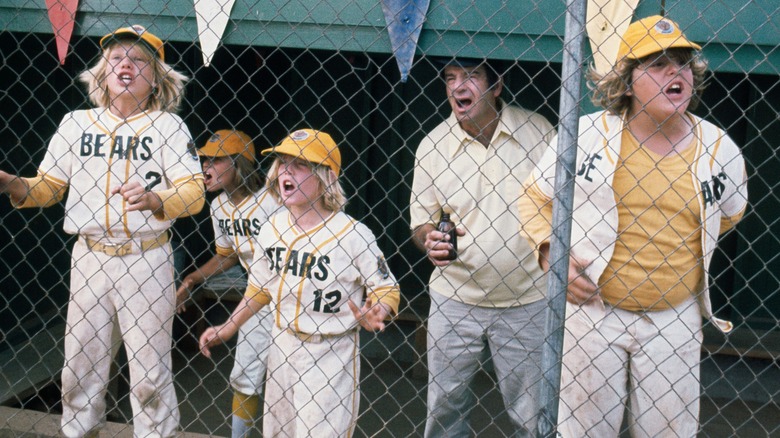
94,151
236,227
309,276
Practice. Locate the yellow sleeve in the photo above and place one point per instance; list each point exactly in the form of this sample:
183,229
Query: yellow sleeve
257,294
42,192
185,199
387,295
535,215
728,222
224,252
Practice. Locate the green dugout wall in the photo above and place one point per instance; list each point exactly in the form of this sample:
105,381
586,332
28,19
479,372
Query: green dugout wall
741,36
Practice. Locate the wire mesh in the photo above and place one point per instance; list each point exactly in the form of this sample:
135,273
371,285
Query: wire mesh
281,67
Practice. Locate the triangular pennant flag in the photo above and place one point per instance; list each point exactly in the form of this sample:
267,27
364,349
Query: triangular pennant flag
404,23
62,15
606,22
212,16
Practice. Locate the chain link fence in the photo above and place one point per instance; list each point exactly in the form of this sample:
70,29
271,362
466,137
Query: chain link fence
328,65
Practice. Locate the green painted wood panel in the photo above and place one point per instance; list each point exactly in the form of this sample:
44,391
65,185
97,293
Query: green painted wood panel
738,35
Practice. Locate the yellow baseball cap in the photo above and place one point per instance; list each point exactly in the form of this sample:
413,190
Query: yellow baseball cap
136,32
311,145
651,35
227,142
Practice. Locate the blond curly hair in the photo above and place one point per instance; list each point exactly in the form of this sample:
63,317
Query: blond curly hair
167,95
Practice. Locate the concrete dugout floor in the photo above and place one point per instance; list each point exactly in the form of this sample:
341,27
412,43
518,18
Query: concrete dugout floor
740,396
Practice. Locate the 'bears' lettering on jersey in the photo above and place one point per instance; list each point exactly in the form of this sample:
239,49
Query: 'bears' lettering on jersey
241,227
299,264
712,190
587,165
123,147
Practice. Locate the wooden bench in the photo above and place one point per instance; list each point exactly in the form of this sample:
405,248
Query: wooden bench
28,423
419,338
227,287
32,365
743,342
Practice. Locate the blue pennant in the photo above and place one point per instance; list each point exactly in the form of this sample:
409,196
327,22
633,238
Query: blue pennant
404,22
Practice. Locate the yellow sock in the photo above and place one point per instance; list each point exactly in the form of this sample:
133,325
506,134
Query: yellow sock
245,406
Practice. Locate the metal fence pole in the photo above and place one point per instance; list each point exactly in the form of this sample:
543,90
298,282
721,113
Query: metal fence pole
562,212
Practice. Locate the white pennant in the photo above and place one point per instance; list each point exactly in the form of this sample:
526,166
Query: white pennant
606,22
213,16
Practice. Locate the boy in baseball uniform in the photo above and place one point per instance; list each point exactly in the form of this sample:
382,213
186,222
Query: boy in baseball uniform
240,209
314,267
655,187
129,173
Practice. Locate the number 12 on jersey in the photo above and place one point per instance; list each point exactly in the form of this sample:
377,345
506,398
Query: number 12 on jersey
326,302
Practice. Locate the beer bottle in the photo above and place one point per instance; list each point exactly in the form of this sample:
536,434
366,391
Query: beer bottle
446,226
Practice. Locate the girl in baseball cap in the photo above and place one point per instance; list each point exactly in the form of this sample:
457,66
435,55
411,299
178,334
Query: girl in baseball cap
228,160
304,175
324,276
656,186
238,212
